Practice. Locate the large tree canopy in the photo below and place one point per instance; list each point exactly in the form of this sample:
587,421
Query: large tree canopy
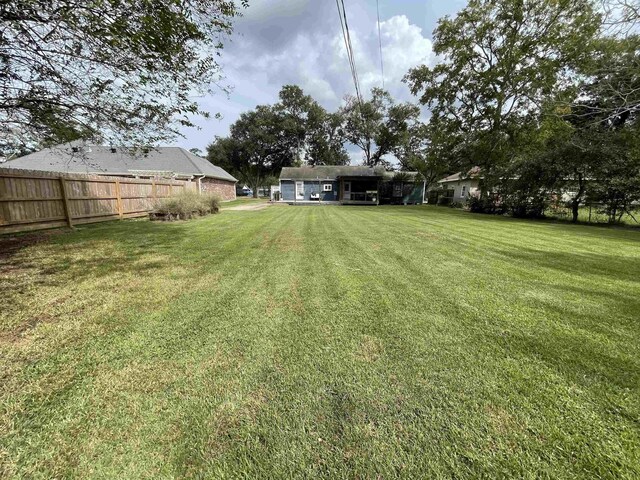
122,70
264,140
502,58
543,96
260,143
379,126
319,133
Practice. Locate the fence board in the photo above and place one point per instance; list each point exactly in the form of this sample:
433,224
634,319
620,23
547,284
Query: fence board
32,200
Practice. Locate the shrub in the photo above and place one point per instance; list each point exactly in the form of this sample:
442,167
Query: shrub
478,204
212,201
187,204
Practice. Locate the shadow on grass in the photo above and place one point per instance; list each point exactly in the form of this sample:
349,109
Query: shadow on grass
108,248
576,357
609,266
599,230
11,245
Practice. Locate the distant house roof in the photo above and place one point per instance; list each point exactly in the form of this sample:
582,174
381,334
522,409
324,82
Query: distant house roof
329,172
101,160
405,176
473,173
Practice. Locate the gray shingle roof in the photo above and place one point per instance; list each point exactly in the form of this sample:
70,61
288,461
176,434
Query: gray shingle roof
451,178
329,172
473,173
101,160
410,176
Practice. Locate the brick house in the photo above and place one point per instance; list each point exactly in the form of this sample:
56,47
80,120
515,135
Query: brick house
159,162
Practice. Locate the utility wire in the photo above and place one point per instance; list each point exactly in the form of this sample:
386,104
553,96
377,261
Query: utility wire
342,13
344,24
353,58
380,43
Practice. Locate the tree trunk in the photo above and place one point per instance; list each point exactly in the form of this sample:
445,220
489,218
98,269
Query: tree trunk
575,203
575,210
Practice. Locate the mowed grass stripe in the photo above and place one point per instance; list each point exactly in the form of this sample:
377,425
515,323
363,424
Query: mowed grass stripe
326,342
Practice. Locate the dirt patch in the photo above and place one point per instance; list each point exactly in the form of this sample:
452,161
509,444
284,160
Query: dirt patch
288,244
231,416
370,349
9,245
253,206
17,333
501,420
295,301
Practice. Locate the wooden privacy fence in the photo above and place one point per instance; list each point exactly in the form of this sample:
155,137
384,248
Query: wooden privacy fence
31,200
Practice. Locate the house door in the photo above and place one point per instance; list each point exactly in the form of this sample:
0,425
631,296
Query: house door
347,191
299,190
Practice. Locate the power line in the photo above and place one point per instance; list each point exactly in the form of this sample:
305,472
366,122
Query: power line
344,24
353,58
352,62
380,43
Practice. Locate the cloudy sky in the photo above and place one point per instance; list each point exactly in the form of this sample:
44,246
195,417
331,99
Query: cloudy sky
279,42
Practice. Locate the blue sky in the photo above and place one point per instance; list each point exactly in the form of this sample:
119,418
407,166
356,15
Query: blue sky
279,42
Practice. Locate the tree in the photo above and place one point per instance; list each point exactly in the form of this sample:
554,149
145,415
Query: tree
326,139
610,90
268,138
594,141
318,133
378,126
260,143
431,152
621,17
125,71
502,59
294,107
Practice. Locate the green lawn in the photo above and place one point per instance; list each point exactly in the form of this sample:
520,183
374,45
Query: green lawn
335,342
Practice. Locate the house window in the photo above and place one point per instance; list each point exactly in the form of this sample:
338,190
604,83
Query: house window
397,189
463,192
327,187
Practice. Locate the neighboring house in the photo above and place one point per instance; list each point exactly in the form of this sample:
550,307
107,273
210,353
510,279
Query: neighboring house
349,185
456,188
160,162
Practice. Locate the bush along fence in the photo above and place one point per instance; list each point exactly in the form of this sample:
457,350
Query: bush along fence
185,205
31,200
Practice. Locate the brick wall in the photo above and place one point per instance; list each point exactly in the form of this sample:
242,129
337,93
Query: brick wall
226,190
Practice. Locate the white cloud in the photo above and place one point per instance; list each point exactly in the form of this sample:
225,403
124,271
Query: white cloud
300,42
403,47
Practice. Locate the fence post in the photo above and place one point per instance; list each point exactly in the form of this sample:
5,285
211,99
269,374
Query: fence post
65,201
119,199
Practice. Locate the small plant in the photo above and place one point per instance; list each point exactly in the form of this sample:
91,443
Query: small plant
186,205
